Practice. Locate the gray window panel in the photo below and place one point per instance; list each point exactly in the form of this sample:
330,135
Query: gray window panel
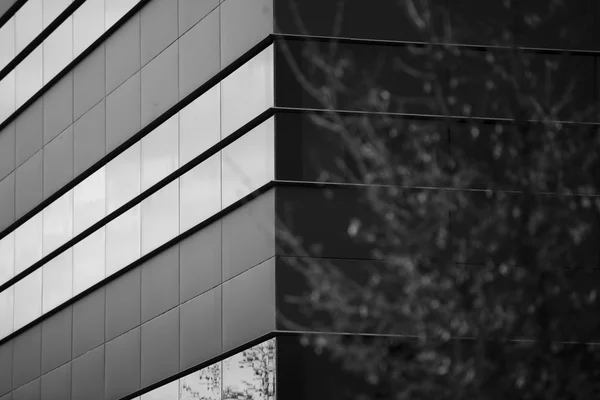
6,367
89,201
58,162
89,142
29,186
200,125
58,50
88,24
116,9
123,237
30,391
123,308
123,112
57,384
160,82
123,176
6,311
160,152
200,320
7,258
87,380
123,52
89,78
7,42
247,92
170,391
57,340
52,9
200,192
159,27
58,223
28,243
7,150
243,24
28,299
160,283
58,107
28,23
57,281
160,217
29,76
7,95
199,52
160,348
203,384
88,322
249,305
192,11
89,258
27,357
7,201
123,365
29,130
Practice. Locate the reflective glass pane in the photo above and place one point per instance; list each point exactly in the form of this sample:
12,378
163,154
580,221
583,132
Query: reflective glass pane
28,243
58,222
28,22
58,50
204,384
200,192
160,152
89,201
58,280
123,240
53,8
88,25
29,76
160,217
248,163
7,257
28,299
170,391
123,178
250,374
6,311
247,92
115,9
200,125
7,42
89,258
7,95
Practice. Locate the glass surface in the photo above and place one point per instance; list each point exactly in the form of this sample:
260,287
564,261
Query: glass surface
29,76
28,23
247,92
115,9
88,25
7,96
248,163
123,178
57,281
200,192
204,384
28,299
160,217
7,257
58,50
58,222
89,201
123,240
160,152
28,243
89,257
6,311
7,42
53,8
170,391
199,124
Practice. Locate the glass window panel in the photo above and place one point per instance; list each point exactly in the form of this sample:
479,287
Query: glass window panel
28,22
160,217
250,374
7,42
7,96
58,50
29,76
28,299
28,243
204,384
170,391
123,178
200,192
200,125
247,92
115,9
6,311
248,163
89,201
58,222
89,257
160,152
88,25
7,257
53,8
57,280
123,240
